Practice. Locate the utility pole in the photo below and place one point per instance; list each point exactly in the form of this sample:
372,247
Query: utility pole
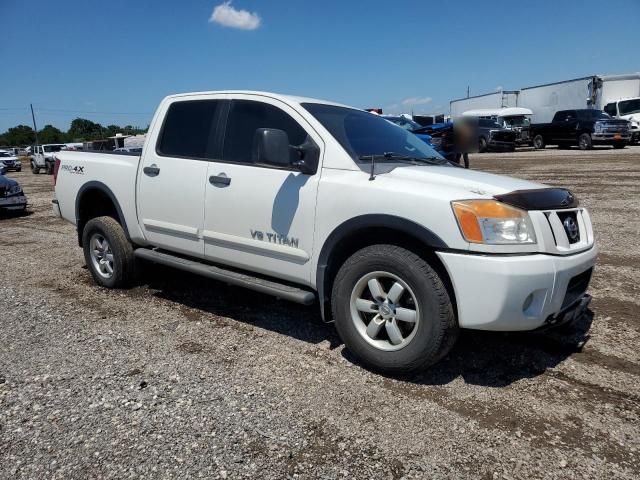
467,91
35,128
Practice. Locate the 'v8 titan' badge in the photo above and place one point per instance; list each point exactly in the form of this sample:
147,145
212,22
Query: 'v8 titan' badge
274,238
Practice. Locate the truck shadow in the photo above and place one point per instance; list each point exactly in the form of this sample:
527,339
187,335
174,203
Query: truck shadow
495,359
489,359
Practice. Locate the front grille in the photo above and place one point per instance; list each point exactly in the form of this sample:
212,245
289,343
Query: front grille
577,287
569,222
616,129
503,136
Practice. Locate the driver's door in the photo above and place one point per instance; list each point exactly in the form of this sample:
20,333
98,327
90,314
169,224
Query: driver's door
258,217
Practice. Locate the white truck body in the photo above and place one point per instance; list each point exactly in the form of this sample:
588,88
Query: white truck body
281,223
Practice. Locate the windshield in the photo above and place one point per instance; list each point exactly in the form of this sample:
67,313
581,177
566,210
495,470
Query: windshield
519,121
404,123
364,134
629,106
593,115
53,148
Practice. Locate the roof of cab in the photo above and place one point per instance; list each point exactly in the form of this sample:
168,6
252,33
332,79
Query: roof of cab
277,96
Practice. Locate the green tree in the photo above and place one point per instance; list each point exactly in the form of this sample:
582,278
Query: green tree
19,135
50,134
83,129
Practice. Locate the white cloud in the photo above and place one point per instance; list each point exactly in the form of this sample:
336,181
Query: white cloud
413,101
227,16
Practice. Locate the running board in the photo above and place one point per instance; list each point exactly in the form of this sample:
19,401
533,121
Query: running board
280,290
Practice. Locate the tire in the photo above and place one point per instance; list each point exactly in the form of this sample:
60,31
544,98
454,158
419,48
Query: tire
119,272
422,296
49,168
34,169
619,145
584,141
482,145
19,169
538,142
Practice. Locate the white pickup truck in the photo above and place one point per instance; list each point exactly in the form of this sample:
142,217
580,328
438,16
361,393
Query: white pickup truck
312,201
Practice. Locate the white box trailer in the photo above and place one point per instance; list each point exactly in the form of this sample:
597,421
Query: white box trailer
494,100
594,91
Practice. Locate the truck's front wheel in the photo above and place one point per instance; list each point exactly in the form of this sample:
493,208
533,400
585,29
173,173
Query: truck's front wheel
538,142
392,310
108,253
584,141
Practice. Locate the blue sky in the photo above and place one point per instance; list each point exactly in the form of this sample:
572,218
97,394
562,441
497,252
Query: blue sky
85,58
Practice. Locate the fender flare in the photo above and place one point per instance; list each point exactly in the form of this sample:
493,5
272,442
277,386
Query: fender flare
342,231
96,185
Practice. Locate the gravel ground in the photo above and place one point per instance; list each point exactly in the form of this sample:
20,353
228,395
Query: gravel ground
183,377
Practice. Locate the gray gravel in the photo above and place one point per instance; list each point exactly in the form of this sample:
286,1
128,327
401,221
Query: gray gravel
181,377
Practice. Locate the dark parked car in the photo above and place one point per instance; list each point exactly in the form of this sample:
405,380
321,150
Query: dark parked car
583,128
11,195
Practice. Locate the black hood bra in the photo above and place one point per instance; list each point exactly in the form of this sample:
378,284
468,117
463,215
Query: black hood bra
540,199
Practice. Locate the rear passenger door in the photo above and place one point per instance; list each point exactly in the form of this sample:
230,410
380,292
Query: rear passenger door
173,173
259,217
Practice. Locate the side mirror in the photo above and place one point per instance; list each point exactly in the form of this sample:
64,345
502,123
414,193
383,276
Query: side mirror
271,146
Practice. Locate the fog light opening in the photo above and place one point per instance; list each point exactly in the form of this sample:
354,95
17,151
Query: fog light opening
527,302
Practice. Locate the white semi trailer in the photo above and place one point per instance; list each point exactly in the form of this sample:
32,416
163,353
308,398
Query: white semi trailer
595,91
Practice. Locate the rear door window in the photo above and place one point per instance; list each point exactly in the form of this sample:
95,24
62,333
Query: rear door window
189,129
245,118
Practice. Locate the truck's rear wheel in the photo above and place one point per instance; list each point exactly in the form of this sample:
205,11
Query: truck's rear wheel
584,141
538,142
392,310
49,168
108,253
34,168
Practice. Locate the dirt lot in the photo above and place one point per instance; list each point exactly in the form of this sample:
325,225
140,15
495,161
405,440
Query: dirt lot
184,377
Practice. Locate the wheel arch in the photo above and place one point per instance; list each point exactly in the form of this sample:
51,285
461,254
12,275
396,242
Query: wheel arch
95,199
365,230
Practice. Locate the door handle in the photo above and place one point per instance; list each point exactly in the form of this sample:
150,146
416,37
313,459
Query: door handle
220,180
152,170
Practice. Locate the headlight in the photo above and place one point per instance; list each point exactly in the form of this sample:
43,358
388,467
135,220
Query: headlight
14,190
492,222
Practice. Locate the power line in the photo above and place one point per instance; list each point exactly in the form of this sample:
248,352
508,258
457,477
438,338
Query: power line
60,110
91,112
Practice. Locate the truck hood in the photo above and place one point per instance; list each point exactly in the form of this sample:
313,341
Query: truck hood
461,181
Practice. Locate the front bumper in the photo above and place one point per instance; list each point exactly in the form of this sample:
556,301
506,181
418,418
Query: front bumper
501,146
516,292
15,202
610,137
13,166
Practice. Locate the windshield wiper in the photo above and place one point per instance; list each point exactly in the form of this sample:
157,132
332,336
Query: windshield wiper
401,158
